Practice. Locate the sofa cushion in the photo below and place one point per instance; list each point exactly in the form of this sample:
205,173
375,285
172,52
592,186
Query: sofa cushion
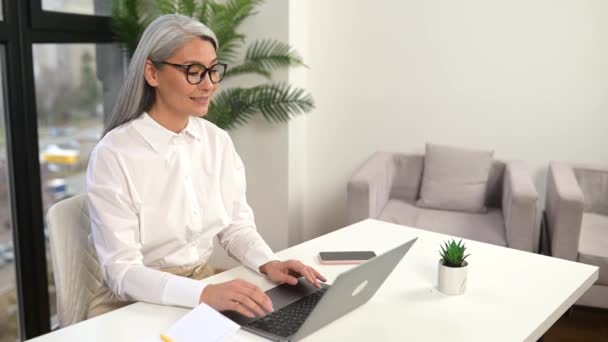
593,244
594,184
455,178
485,227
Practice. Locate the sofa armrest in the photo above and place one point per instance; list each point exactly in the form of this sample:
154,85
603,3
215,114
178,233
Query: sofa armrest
564,208
520,208
369,188
593,181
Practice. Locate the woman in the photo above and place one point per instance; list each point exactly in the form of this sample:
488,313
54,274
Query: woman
163,182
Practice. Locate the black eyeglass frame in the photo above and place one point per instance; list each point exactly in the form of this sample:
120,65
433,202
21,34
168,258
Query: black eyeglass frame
186,68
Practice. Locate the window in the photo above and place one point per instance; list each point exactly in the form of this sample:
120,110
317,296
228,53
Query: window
75,86
9,329
89,7
62,73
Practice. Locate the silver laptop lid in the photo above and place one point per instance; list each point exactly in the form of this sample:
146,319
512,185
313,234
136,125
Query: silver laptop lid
352,289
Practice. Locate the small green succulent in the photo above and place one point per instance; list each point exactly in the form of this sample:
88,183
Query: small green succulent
452,253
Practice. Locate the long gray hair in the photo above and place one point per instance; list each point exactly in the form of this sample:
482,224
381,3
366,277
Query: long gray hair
165,35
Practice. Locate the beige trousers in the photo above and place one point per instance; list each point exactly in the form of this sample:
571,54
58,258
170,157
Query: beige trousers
105,300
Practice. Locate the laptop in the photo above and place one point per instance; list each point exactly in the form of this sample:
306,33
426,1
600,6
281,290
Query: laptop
303,309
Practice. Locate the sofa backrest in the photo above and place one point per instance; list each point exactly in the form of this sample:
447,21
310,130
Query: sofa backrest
409,169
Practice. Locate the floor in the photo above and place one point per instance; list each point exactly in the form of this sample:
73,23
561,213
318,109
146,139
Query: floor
582,324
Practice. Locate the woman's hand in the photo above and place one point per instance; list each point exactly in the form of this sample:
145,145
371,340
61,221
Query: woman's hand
289,271
237,295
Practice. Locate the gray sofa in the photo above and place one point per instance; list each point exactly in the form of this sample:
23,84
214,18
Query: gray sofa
577,220
387,186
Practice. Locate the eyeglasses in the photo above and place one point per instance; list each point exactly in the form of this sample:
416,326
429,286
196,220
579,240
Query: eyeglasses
195,73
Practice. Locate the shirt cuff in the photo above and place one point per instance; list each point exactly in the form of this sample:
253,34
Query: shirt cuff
259,256
182,291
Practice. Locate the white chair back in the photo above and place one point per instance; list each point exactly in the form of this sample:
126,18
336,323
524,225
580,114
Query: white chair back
75,266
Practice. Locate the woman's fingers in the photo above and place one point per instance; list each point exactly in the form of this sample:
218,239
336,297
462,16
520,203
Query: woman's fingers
305,272
286,278
311,277
290,270
240,308
256,294
318,275
249,304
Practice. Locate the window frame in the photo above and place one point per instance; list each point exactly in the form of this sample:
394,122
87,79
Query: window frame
59,21
25,23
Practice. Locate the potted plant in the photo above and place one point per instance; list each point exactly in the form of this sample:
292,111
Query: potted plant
452,274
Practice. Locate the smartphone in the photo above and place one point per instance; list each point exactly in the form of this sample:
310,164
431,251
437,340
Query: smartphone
345,257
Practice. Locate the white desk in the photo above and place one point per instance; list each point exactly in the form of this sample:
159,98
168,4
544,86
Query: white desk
511,295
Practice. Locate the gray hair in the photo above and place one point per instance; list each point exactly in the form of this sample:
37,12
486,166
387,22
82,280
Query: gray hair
165,35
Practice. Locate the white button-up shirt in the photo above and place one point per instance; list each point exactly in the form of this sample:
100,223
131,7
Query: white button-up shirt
157,199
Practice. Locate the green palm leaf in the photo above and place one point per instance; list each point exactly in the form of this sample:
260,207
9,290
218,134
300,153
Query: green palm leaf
223,19
247,68
230,47
187,7
204,12
264,56
272,54
231,108
128,23
280,102
276,102
184,7
166,6
233,12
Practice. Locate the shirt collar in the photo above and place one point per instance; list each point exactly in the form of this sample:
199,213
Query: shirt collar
193,128
159,137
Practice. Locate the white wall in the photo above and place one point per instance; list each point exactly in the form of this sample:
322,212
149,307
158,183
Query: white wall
263,146
528,79
298,128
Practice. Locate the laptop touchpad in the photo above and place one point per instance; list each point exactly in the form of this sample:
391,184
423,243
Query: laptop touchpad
286,294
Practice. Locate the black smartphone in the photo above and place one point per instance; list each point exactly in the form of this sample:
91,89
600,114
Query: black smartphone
345,257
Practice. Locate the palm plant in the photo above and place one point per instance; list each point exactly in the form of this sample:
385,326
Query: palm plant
452,253
276,102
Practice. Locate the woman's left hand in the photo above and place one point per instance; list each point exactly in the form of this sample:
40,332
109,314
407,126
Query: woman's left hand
289,271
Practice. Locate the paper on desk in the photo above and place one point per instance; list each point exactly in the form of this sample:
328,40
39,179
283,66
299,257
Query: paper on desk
203,323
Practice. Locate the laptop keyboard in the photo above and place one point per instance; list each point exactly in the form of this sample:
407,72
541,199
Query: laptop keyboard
287,320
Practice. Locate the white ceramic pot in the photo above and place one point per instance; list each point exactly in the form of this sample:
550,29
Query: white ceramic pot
452,280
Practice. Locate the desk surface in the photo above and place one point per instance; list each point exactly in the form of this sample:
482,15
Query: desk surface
511,295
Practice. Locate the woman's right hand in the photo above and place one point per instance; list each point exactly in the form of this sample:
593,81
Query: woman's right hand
237,295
